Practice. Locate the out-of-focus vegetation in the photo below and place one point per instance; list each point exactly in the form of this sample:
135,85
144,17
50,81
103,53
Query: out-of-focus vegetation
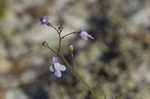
2,8
115,64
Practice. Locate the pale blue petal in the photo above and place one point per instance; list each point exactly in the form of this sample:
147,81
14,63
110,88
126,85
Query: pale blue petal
90,36
62,67
55,59
45,17
44,20
84,35
58,66
58,74
82,28
51,68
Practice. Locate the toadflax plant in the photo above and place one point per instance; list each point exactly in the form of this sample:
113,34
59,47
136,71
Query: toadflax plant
56,67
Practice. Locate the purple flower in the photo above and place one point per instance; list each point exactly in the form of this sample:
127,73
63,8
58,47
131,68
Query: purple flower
84,35
44,20
57,68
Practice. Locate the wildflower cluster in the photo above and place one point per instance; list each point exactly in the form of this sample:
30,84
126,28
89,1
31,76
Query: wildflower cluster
56,67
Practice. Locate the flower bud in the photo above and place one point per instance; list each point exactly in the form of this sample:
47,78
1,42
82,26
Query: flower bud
44,43
71,47
61,27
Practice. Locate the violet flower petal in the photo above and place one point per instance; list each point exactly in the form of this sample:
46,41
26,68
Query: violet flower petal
44,20
62,67
84,35
58,74
55,59
51,68
90,36
58,66
82,28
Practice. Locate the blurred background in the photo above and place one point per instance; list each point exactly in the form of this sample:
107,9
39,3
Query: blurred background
115,64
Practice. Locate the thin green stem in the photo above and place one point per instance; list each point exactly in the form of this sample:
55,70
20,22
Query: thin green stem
68,34
45,44
52,50
59,46
49,24
77,75
58,30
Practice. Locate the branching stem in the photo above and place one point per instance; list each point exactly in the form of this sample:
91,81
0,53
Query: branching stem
60,54
68,34
78,75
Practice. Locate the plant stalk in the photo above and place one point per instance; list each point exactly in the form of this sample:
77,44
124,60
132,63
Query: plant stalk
77,75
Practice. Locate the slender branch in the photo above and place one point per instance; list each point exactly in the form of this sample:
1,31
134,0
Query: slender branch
49,24
77,75
52,50
59,47
59,35
68,34
45,44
